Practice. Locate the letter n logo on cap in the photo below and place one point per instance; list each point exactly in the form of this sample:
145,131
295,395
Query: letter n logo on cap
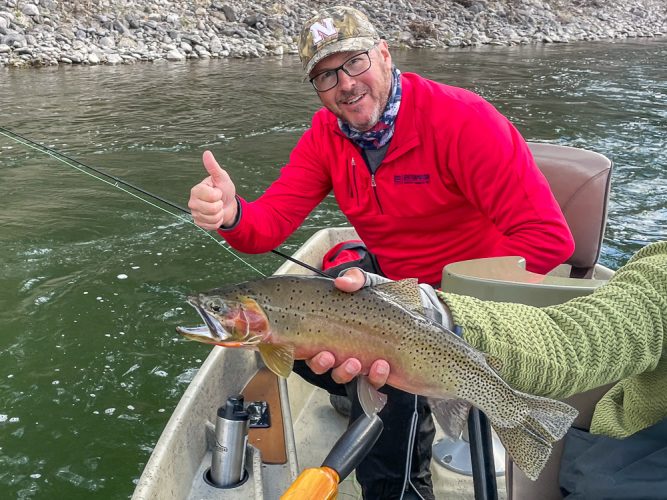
323,30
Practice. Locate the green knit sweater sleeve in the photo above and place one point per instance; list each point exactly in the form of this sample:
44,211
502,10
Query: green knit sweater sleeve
616,333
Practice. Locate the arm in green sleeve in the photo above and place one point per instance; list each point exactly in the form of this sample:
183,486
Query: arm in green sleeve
556,351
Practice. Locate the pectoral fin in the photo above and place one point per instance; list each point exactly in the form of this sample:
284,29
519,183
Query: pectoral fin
372,401
278,359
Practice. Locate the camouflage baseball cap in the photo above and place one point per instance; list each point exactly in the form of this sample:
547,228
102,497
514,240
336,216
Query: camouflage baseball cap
332,30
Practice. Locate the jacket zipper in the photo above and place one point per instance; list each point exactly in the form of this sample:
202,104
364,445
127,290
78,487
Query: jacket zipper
354,193
375,193
373,183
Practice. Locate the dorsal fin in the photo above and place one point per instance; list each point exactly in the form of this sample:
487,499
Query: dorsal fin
405,292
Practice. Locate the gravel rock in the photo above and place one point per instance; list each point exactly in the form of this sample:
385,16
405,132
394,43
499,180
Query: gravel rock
46,32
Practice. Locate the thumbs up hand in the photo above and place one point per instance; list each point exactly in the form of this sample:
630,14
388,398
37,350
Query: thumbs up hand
213,201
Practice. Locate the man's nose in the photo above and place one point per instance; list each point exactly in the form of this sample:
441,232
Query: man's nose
345,81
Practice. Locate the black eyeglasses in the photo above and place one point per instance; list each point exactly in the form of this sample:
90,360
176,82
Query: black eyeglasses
354,66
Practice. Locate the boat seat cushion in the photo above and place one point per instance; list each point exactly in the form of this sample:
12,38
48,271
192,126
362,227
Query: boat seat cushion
580,182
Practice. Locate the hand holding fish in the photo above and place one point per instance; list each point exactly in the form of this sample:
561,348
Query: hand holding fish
346,370
352,280
213,201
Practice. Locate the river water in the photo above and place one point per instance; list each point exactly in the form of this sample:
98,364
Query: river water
93,280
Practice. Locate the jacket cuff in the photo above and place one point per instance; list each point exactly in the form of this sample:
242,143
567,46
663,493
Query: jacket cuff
237,219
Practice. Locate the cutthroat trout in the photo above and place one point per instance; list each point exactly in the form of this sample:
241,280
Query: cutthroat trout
277,314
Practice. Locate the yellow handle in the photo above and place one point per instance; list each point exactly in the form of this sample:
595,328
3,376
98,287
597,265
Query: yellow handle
313,484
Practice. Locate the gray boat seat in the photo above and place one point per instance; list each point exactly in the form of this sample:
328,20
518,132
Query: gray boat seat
580,181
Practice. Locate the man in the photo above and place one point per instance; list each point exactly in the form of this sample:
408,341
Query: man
427,174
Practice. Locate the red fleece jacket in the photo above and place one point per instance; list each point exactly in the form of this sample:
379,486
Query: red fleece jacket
458,182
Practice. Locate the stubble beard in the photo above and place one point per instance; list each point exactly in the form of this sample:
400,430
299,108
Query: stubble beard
376,114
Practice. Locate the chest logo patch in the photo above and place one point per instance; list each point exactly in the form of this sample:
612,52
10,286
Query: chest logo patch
412,179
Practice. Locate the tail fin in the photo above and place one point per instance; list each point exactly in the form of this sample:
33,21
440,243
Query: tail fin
548,417
529,443
527,450
555,417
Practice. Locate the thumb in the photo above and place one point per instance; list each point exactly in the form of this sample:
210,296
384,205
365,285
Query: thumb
353,280
218,175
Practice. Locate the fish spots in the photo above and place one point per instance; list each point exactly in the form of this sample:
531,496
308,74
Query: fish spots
308,311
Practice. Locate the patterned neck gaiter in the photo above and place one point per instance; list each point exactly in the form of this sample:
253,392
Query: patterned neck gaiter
381,133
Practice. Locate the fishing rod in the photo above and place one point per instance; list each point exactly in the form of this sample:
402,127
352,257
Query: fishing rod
120,182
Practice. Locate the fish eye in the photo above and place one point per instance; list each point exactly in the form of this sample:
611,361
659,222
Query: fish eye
215,305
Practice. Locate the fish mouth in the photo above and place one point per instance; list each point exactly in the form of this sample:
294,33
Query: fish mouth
212,331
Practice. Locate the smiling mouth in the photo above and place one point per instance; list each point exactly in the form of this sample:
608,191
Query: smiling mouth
353,100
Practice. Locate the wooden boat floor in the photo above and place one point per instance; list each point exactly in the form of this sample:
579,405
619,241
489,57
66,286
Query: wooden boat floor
271,440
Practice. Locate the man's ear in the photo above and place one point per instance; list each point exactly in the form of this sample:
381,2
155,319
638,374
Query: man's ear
383,48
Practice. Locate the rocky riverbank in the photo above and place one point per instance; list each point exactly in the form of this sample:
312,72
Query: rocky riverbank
50,32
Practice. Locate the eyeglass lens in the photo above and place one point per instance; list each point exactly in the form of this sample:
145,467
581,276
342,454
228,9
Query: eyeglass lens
354,66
